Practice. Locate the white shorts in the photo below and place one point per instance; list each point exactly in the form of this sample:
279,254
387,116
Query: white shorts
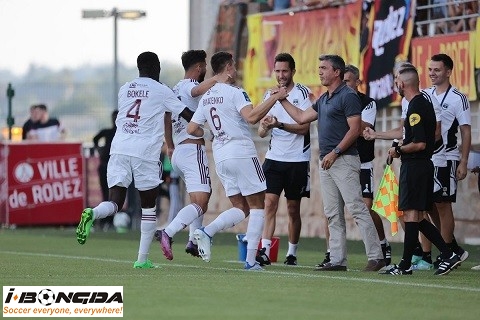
190,161
243,176
121,169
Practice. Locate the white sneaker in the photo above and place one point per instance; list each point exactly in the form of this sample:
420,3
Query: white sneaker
204,242
255,267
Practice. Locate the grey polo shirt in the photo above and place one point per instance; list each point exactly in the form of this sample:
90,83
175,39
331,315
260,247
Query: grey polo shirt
333,112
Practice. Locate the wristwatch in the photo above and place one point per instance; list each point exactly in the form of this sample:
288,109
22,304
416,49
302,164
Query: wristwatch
337,151
281,126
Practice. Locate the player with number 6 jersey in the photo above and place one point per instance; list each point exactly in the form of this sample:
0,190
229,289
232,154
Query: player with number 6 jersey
228,111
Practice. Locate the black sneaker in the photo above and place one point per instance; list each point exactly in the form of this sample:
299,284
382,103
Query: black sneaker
331,267
397,271
262,257
325,261
387,254
290,260
447,265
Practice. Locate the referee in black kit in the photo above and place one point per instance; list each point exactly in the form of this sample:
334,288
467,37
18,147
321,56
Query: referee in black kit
416,174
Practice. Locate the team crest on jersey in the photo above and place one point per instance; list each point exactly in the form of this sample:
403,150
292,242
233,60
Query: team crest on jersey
414,119
295,102
246,96
445,106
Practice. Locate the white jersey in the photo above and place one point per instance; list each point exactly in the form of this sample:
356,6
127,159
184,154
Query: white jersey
455,112
286,146
142,104
220,107
183,90
439,158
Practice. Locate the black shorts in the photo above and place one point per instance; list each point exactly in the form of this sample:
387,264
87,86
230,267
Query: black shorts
291,177
416,185
366,180
445,179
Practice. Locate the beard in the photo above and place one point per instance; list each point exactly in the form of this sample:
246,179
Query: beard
201,77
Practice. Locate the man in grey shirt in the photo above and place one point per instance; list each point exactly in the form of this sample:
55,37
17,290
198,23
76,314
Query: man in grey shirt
338,112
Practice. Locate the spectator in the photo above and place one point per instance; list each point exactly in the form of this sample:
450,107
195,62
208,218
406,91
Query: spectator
456,8
106,136
31,122
46,129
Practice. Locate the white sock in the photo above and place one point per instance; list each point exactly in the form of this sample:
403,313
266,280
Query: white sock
148,225
292,249
254,233
196,224
384,241
104,209
267,244
184,217
225,220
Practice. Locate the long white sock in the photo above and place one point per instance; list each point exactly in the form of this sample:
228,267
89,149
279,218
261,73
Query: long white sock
254,233
184,217
196,224
292,249
148,225
225,220
267,244
104,209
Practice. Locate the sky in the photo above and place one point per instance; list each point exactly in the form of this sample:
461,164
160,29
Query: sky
52,33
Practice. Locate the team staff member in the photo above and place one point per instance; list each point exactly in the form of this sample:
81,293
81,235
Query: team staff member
287,161
416,174
339,125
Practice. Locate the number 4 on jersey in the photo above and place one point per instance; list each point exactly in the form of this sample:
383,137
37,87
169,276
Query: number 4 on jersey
136,107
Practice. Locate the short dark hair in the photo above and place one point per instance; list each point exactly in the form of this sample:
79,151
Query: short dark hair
220,60
353,70
286,57
191,57
41,107
337,62
148,61
442,57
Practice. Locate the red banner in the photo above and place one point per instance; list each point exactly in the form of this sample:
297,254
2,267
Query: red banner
390,30
44,183
460,47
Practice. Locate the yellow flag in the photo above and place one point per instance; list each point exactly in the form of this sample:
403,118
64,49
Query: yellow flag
386,199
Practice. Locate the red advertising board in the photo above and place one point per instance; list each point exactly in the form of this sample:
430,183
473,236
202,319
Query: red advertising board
41,184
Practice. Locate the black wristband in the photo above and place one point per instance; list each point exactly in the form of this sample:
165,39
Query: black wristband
281,126
398,150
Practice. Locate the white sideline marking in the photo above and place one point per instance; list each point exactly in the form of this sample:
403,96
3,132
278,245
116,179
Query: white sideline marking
266,272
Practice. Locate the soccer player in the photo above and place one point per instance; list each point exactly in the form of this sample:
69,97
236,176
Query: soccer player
455,115
189,158
228,111
287,161
135,151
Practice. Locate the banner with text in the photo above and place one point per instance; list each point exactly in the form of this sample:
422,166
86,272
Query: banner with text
390,31
44,185
305,35
460,47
